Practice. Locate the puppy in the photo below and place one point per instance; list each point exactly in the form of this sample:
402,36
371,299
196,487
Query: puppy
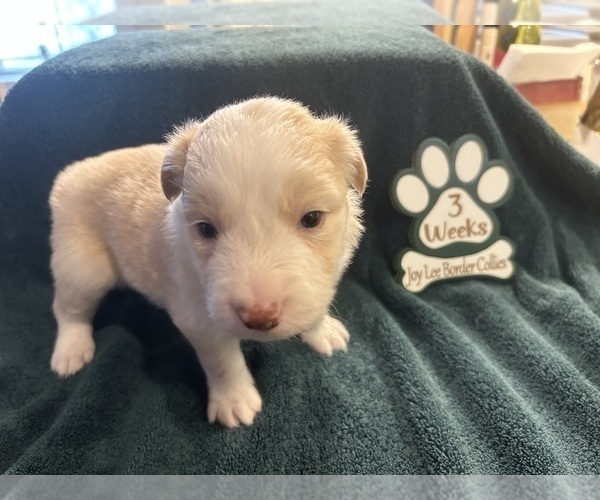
240,226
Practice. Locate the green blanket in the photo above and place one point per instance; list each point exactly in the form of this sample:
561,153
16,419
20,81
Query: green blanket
469,376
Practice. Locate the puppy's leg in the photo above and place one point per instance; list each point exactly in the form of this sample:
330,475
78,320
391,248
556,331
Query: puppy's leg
232,395
83,274
329,336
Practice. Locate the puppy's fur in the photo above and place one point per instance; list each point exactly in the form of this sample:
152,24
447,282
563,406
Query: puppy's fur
211,226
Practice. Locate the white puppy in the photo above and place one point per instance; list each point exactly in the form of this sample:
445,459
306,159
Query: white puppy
240,226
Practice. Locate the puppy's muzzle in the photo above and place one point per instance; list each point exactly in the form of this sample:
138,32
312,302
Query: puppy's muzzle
259,317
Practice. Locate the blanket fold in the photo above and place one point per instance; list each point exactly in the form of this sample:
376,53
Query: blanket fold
469,376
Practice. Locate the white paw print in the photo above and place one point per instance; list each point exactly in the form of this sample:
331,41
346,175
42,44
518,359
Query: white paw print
451,193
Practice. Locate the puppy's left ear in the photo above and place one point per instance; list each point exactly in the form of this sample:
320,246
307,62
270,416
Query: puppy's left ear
345,151
173,167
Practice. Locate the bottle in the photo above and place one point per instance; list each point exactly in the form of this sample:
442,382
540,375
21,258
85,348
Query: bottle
529,11
517,13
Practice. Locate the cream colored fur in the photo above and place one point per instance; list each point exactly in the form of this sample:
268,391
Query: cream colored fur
252,170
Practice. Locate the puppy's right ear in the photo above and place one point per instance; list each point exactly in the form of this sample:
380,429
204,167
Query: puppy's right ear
178,144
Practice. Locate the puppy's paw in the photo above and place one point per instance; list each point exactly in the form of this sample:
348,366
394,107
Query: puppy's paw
234,405
71,354
330,336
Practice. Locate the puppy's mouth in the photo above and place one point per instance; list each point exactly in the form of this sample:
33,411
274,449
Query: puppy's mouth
264,335
266,324
278,330
283,331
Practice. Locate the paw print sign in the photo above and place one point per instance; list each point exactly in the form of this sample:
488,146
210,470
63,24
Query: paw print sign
451,193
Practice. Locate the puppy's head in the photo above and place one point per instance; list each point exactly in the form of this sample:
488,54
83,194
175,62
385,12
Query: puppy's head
269,196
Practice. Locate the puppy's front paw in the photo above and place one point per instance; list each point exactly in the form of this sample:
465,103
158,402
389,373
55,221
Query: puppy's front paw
234,405
330,336
71,354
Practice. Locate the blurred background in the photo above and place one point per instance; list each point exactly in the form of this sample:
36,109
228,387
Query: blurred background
34,30
548,49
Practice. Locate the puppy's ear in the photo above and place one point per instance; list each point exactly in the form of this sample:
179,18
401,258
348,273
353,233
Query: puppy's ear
178,144
345,152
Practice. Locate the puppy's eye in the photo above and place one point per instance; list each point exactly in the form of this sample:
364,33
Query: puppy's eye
207,230
311,219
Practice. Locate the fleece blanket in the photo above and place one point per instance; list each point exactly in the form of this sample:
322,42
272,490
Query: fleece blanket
468,376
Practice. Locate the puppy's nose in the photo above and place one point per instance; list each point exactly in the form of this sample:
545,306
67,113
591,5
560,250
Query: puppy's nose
259,317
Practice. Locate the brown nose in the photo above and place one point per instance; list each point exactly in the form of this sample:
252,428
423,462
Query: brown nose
259,317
